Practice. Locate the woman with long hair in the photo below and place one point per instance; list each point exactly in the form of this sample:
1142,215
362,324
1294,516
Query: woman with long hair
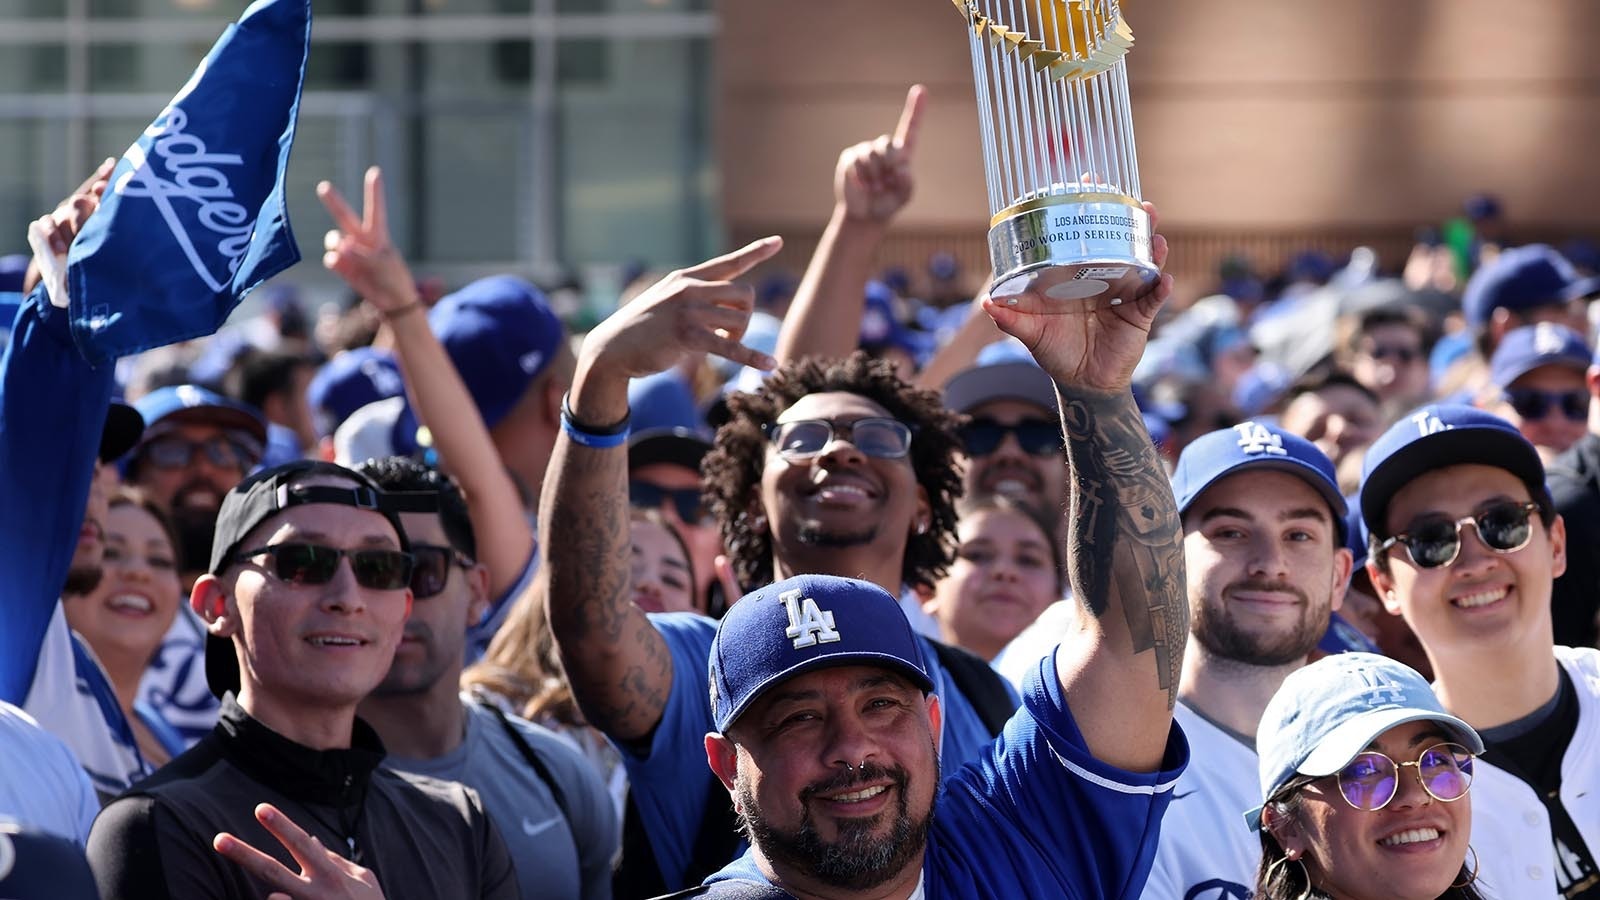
126,616
1364,781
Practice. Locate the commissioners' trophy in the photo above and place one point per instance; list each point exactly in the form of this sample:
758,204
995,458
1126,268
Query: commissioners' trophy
1066,222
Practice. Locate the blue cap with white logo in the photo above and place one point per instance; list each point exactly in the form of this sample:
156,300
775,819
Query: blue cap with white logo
501,335
350,381
1527,348
805,623
1250,446
193,403
1326,713
1437,436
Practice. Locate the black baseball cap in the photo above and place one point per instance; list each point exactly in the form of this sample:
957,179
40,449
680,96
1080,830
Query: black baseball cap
677,445
262,496
124,426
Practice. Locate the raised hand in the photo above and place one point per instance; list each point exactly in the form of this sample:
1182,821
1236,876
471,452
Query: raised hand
1094,344
62,224
700,308
360,251
872,181
323,875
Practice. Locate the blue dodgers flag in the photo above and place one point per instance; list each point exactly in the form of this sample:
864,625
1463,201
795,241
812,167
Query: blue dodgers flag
195,215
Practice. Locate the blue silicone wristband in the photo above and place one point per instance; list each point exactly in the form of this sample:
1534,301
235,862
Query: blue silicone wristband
590,439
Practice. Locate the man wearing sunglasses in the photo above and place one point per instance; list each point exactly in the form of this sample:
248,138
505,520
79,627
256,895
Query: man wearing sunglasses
1012,436
558,822
1264,532
197,445
1536,382
1465,545
305,602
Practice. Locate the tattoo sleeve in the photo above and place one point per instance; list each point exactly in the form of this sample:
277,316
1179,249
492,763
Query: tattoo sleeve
1125,542
618,664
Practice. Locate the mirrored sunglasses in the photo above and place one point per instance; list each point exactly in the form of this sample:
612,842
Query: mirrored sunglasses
1503,527
1372,779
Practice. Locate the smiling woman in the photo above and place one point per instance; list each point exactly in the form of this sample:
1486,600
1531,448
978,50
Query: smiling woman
126,616
1365,779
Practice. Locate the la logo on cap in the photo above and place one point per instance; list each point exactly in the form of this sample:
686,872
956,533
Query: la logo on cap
808,624
1427,423
1547,339
1380,689
1256,438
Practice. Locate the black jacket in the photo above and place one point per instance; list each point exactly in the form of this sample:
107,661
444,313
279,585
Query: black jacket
1574,480
422,838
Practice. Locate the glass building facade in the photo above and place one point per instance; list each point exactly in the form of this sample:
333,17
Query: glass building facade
546,137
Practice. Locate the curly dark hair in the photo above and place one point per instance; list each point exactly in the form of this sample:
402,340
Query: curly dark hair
732,470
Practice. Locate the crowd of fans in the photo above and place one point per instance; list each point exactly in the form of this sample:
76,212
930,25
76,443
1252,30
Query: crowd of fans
430,596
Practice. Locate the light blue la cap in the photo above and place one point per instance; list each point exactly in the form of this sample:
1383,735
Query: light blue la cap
1327,712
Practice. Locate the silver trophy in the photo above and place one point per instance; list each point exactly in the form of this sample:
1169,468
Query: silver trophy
1066,221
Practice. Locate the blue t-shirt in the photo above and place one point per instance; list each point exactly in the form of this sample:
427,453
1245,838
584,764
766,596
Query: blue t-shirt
1038,816
671,782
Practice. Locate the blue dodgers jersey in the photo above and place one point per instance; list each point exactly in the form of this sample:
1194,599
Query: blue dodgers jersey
671,781
1038,816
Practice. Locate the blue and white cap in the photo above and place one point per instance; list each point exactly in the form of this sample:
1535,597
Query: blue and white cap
1437,436
1327,712
1251,446
805,623
1527,348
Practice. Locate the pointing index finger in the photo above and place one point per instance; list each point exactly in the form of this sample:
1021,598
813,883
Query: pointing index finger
905,133
740,261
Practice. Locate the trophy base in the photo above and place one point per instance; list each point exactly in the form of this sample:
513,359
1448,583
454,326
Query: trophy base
1072,251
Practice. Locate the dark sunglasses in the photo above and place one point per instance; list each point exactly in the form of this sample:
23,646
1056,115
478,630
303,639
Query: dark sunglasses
1372,779
1535,404
1399,354
430,570
1503,527
309,564
231,449
1036,437
686,502
805,438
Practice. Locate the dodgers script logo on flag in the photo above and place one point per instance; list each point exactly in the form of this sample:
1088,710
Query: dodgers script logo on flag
195,215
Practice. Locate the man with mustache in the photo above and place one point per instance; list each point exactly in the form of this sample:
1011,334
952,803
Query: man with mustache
1264,530
197,445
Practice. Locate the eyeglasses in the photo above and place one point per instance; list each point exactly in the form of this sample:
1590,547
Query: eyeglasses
1372,779
430,570
687,502
309,564
806,438
1535,404
230,449
1399,354
1036,437
1503,527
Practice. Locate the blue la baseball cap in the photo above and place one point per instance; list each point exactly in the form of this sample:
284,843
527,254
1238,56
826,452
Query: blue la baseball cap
501,335
193,403
1004,370
805,623
350,381
1327,712
1543,344
1251,446
1440,435
1520,278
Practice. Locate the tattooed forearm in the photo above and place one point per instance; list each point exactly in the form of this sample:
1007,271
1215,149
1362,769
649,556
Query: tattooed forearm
1124,542
616,661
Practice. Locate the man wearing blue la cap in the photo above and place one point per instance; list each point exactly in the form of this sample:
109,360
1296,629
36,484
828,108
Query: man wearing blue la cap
1536,382
1266,561
197,445
826,736
1465,545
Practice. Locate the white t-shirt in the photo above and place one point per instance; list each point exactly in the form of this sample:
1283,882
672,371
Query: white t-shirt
1206,852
